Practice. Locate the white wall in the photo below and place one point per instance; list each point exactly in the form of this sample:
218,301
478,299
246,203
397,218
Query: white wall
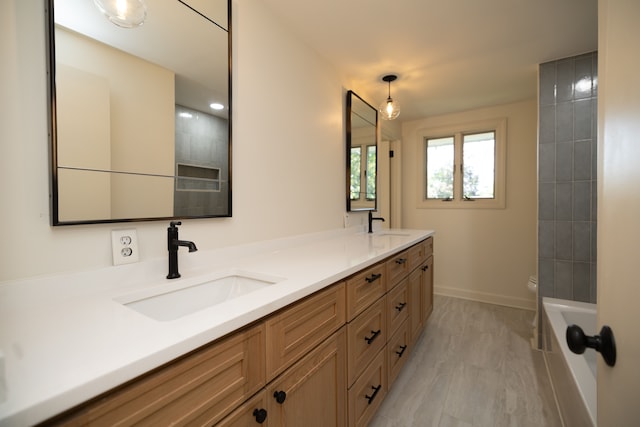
482,254
288,149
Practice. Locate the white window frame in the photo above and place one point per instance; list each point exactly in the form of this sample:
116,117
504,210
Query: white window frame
499,126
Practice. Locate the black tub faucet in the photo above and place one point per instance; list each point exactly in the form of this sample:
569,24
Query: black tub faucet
173,244
371,219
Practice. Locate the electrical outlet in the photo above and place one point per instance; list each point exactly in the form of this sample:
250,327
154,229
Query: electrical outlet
346,220
124,244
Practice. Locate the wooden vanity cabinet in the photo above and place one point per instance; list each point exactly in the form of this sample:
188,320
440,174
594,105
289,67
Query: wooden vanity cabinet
326,360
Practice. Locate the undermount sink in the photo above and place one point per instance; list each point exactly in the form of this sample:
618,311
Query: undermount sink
171,302
387,233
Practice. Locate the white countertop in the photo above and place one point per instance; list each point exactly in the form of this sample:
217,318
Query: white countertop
64,340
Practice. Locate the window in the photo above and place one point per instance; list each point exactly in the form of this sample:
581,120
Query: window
463,166
363,169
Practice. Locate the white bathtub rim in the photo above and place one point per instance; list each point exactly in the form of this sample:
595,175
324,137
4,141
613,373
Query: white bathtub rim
579,368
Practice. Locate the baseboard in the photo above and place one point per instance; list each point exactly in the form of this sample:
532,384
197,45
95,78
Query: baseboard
486,297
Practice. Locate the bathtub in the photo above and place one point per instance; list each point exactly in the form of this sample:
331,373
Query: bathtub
573,376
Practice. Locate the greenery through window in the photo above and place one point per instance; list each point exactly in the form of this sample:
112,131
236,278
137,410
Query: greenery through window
356,159
363,169
370,172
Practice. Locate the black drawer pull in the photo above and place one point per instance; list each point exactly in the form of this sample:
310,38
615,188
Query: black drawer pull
280,396
369,340
373,277
401,261
373,395
260,414
401,352
425,268
401,306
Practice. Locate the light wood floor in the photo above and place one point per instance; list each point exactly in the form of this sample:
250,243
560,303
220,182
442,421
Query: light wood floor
473,366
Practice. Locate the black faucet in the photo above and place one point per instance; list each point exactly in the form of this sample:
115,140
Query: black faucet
371,219
173,244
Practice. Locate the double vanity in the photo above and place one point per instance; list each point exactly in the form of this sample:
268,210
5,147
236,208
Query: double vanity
302,330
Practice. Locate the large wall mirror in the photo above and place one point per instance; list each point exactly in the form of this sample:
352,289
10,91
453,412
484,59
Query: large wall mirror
362,158
134,132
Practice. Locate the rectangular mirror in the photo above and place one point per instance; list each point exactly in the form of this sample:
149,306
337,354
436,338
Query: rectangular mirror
134,135
362,159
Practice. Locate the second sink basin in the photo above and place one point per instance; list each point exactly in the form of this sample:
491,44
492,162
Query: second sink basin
183,299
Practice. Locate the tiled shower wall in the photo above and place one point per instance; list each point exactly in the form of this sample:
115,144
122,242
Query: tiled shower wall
567,150
202,140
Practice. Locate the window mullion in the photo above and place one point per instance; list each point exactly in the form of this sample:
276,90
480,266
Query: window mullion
457,173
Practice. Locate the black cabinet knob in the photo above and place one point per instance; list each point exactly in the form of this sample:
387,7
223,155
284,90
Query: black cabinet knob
603,343
280,396
260,414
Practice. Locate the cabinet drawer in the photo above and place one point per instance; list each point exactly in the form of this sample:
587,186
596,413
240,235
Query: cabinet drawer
398,303
397,268
368,392
198,389
251,413
366,336
313,392
398,349
416,255
428,247
297,329
365,288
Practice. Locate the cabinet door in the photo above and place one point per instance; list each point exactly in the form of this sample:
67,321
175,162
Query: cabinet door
252,413
415,309
296,330
313,392
427,289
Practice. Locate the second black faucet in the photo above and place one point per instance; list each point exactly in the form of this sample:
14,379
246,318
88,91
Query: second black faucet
371,219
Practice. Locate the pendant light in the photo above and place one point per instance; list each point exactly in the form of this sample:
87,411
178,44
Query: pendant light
389,109
123,13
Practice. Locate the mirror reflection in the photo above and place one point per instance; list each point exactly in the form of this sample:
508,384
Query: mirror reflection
134,132
362,122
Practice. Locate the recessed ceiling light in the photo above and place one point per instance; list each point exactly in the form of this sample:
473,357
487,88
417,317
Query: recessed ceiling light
216,106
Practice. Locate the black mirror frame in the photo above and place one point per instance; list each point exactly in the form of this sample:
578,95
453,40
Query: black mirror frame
52,130
350,95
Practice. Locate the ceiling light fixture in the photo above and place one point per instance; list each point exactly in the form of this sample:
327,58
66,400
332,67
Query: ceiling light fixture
389,109
216,106
123,13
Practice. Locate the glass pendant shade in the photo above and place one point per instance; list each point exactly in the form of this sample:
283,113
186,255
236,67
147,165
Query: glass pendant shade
123,13
389,109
